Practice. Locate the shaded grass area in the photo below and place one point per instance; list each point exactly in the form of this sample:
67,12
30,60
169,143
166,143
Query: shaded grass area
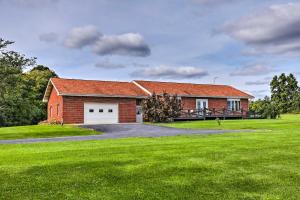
255,165
260,165
42,131
289,121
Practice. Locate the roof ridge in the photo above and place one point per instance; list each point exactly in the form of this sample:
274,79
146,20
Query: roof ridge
75,79
184,83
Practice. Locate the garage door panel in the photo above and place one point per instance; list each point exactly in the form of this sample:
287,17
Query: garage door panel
100,113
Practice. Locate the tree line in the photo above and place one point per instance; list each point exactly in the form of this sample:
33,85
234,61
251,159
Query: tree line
22,86
23,83
285,97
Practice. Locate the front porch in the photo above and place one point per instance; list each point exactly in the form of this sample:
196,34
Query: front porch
213,113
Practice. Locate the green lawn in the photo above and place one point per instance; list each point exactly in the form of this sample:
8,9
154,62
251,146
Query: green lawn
42,131
256,165
289,121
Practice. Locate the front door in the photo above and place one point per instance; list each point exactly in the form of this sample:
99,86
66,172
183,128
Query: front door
139,114
201,105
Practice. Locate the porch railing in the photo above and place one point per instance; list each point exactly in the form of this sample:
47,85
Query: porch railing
214,113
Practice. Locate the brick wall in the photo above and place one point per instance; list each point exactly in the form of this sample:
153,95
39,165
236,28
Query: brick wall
71,109
190,103
245,104
55,107
74,108
217,103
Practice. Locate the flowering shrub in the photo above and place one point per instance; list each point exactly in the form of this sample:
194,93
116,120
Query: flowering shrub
161,108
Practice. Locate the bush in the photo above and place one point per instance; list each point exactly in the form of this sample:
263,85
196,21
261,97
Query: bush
265,108
161,108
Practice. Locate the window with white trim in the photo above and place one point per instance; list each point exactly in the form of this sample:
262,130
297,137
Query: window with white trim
234,104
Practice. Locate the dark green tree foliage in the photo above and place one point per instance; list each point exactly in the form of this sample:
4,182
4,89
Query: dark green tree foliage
295,108
38,78
161,108
20,93
283,91
15,106
265,108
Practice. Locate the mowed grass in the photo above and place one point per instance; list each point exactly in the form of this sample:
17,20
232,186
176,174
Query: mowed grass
255,165
42,131
288,121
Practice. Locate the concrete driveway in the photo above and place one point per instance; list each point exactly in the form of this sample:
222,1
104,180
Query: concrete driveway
114,131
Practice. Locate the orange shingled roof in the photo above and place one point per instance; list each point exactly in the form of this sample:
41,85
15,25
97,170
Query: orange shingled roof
75,87
191,89
91,87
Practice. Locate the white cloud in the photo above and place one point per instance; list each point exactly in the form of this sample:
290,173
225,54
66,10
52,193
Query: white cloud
128,44
170,72
252,70
82,36
131,44
107,64
274,30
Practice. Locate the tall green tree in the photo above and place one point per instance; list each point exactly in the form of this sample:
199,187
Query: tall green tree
15,106
38,78
21,92
295,108
283,91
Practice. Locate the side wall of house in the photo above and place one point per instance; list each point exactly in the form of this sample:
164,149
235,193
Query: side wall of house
189,103
70,110
74,108
55,107
217,103
245,104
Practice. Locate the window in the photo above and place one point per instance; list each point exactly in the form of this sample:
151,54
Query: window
138,102
57,109
50,111
100,110
110,110
204,104
91,110
234,104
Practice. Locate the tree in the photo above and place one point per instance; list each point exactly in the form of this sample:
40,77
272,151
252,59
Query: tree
283,90
21,92
38,78
161,108
15,107
295,108
265,108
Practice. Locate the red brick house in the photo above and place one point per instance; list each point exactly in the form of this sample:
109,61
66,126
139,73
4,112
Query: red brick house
90,102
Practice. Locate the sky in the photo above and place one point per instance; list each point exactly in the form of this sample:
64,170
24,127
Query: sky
232,42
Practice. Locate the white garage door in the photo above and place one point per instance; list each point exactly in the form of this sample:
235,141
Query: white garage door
101,113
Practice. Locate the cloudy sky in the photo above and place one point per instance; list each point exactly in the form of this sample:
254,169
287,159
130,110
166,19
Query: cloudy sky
240,43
